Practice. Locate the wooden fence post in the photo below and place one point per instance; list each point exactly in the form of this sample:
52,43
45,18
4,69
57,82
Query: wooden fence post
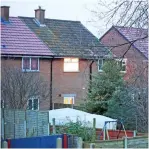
104,133
94,130
134,133
125,142
4,144
54,128
80,143
59,143
92,146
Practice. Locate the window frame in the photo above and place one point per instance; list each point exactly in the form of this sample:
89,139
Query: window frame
100,70
32,99
73,100
123,60
71,58
30,59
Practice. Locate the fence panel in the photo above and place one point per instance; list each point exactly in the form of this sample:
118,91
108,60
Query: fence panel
9,126
20,126
43,123
21,123
31,123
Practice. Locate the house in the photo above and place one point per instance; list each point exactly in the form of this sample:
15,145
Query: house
130,45
66,53
20,46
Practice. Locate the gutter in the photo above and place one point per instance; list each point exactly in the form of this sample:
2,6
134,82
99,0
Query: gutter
90,75
20,56
51,83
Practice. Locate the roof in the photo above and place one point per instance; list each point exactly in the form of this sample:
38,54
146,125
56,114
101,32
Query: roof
131,34
65,115
67,38
18,39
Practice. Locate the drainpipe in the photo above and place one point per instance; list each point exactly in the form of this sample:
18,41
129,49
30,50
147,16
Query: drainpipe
51,82
90,74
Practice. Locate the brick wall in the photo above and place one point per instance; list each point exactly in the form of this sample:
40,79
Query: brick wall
70,83
135,59
44,71
63,82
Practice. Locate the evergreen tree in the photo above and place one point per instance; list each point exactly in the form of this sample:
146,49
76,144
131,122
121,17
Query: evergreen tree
103,86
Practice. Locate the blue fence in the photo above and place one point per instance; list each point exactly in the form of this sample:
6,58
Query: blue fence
35,142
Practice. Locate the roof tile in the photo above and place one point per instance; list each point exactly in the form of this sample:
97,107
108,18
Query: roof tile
67,38
132,34
19,39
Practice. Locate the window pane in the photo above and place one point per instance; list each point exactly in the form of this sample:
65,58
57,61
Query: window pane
34,63
75,60
71,64
100,64
71,67
123,68
68,100
67,60
29,104
35,104
26,63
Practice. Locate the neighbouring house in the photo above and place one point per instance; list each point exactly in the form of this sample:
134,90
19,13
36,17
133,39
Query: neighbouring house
130,45
21,48
65,52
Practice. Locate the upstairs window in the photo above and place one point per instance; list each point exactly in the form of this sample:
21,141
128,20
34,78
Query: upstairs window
120,62
33,104
30,64
100,64
71,65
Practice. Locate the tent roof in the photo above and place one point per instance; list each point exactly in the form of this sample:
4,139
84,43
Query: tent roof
64,115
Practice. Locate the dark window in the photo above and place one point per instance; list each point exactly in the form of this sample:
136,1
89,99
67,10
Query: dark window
34,63
30,104
26,63
30,64
33,104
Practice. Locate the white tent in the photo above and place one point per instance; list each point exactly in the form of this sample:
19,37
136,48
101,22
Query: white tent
64,115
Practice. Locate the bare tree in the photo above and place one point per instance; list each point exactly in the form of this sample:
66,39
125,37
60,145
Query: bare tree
17,87
130,13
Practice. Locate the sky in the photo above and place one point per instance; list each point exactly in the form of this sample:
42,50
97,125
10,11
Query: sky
78,10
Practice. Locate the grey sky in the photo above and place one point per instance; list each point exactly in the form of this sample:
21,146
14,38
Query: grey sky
58,9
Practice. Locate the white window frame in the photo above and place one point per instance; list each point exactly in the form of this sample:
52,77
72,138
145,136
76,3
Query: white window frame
29,70
33,98
71,58
123,60
100,70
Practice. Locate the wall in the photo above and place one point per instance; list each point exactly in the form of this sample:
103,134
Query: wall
70,82
137,142
135,59
63,82
44,71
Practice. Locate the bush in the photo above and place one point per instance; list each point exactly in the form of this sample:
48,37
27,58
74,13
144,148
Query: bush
79,128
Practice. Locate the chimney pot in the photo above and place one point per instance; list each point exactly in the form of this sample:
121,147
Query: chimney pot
5,12
40,15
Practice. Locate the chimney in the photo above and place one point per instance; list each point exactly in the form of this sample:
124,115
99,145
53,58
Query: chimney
5,12
40,14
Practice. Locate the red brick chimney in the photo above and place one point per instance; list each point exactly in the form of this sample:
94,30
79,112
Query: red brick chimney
40,15
5,12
